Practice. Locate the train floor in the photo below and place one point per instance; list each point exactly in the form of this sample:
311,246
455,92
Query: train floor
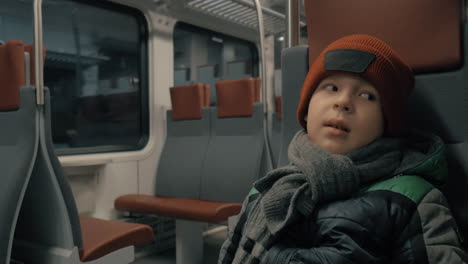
212,244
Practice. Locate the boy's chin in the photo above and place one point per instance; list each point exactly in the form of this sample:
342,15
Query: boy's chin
334,148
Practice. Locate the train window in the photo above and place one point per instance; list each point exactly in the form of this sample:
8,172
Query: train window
201,55
95,68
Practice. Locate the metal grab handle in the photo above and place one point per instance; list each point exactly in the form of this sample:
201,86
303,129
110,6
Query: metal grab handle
264,81
292,23
38,52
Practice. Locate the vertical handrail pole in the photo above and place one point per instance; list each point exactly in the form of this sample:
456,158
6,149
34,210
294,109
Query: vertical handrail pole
38,52
263,78
292,23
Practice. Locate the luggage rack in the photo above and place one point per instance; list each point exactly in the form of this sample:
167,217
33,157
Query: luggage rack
240,12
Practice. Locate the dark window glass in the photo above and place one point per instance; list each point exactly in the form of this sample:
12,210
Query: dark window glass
95,69
202,55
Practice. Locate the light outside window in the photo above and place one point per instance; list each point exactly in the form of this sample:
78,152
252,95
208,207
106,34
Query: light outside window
95,68
205,56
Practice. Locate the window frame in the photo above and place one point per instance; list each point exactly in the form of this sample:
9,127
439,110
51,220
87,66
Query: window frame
144,92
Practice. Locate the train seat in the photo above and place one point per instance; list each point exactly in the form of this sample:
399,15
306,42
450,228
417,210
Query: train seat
206,188
102,237
183,105
99,237
188,133
47,218
178,187
179,174
430,38
13,74
295,60
427,36
179,208
235,157
237,97
19,140
197,135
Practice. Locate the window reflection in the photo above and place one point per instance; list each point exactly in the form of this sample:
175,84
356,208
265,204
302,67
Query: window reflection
95,69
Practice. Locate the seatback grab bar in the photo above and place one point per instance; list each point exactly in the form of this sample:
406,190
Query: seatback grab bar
38,52
264,81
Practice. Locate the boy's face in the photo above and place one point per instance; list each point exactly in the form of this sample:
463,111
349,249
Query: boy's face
344,114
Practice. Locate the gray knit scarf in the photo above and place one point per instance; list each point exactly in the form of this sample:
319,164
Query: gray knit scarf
313,176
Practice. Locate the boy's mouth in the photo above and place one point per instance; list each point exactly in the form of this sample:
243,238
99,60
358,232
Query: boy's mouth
338,124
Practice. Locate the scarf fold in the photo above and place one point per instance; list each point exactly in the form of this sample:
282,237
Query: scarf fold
316,176
313,176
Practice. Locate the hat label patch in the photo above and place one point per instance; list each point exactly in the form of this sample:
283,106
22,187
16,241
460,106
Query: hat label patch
349,60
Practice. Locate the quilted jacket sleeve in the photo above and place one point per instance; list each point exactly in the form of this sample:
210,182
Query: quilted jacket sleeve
345,242
432,236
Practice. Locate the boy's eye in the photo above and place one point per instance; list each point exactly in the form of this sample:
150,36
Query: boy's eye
331,87
368,96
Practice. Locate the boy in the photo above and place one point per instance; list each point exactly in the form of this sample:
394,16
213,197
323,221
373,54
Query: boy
350,193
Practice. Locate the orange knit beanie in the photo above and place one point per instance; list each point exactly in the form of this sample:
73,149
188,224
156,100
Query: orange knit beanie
373,60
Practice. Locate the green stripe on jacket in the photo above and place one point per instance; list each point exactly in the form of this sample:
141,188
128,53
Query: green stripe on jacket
413,187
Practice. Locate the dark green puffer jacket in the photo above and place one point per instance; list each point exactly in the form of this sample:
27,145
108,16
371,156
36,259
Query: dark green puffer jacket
404,219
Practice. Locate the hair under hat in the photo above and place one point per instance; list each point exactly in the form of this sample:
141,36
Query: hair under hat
373,60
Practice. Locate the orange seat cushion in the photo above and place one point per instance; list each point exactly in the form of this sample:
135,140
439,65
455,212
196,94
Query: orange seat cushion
12,75
101,237
181,208
236,97
188,101
427,36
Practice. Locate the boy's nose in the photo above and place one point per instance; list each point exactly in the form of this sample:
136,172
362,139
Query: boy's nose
343,103
341,107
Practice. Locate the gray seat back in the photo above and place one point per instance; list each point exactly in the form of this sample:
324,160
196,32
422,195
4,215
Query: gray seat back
235,156
439,104
18,140
295,68
49,200
188,132
18,150
48,214
180,165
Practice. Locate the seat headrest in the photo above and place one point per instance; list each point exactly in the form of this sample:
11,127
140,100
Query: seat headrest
427,36
236,97
12,74
188,101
